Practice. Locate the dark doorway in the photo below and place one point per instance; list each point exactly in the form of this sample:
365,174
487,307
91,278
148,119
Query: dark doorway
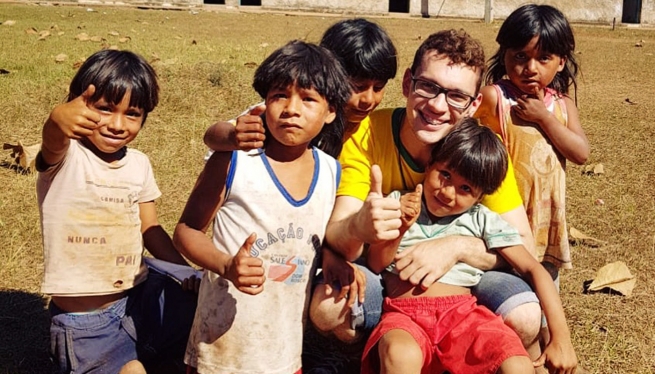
251,2
215,2
631,11
398,6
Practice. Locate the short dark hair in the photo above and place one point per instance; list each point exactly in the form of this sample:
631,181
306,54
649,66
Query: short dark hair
308,66
458,46
114,73
363,48
475,152
555,36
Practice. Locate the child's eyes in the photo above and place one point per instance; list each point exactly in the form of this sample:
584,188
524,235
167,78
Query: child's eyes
444,174
466,188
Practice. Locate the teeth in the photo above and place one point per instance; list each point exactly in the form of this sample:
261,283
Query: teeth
430,121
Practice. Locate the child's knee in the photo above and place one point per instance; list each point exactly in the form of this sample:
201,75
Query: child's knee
325,312
516,365
525,320
398,350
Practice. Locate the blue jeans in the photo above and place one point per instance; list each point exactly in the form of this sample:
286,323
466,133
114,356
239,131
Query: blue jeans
151,324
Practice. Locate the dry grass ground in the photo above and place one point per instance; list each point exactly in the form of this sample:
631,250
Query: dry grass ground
204,63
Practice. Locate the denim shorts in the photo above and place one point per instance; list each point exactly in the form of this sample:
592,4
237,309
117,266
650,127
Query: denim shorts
501,292
156,311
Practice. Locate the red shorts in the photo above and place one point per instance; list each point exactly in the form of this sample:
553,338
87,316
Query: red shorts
454,333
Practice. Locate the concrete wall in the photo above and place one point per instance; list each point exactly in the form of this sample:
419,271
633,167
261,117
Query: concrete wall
598,11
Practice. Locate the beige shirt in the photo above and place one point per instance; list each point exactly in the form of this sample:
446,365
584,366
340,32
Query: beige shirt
90,221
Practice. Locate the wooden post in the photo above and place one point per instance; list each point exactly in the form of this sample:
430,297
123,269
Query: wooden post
488,9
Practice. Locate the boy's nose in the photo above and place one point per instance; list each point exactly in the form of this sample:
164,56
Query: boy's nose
115,123
293,106
367,97
447,192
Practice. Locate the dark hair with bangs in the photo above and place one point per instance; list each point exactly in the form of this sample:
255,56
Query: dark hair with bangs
475,152
363,48
555,36
114,73
456,45
308,66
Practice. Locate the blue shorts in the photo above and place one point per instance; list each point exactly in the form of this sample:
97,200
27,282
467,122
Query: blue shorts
501,292
156,311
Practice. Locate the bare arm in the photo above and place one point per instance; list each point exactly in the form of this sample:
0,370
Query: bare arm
208,195
206,198
559,353
71,120
518,218
248,133
155,238
487,112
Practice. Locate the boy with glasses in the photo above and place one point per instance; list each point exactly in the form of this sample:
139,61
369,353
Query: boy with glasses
400,141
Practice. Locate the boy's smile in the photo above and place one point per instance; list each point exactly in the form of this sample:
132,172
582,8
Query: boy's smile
447,193
119,125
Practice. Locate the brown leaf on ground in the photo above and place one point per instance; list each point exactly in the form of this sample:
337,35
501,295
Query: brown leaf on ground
83,37
9,22
629,102
31,31
615,276
593,169
250,64
124,39
24,156
97,39
578,237
113,33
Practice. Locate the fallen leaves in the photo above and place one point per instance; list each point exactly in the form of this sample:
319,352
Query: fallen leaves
613,277
578,237
24,156
61,58
593,169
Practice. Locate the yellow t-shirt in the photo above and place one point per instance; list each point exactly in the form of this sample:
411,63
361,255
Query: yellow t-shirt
377,141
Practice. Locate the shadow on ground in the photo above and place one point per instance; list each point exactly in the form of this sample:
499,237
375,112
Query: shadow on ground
24,333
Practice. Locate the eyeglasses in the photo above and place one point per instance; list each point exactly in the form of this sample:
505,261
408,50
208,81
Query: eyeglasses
429,90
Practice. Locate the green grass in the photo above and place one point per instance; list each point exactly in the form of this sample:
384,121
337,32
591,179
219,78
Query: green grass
203,64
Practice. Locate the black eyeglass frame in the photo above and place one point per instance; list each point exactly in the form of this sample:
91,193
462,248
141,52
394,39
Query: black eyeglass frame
441,90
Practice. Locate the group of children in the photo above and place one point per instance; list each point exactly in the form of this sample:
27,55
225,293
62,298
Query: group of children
268,192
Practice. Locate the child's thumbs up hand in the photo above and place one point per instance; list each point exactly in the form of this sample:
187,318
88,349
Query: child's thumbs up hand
76,118
246,272
410,206
379,217
249,131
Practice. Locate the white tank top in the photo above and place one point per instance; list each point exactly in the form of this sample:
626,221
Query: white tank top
238,333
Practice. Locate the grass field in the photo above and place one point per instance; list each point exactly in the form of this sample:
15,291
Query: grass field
205,63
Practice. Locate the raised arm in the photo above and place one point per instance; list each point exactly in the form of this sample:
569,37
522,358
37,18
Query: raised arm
381,254
355,222
247,134
71,120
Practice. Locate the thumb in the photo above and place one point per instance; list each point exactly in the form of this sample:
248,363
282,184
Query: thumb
258,110
376,181
247,244
540,361
88,93
539,93
419,189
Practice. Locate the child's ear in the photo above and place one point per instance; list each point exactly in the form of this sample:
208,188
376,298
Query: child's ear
332,114
562,64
